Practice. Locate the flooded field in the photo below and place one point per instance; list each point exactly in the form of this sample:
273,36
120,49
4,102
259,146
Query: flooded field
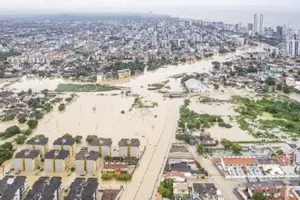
94,114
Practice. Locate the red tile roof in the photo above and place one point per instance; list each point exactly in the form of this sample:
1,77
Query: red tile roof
238,161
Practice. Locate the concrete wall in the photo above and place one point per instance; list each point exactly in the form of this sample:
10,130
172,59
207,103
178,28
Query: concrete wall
95,148
43,149
134,152
91,166
48,165
30,165
57,147
105,151
79,166
60,165
123,151
18,164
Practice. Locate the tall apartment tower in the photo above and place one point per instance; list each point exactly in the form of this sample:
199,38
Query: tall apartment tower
261,24
255,24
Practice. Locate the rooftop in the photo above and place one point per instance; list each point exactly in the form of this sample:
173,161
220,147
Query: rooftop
178,148
115,165
44,188
38,141
238,161
84,154
9,185
64,141
101,142
26,153
82,189
132,142
57,154
110,194
205,189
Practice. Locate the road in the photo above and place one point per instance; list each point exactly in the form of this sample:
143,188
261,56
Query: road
227,187
152,177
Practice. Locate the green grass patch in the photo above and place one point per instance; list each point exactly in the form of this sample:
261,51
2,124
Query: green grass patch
85,88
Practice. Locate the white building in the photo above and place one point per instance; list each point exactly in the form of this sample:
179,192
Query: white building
129,147
293,48
102,146
255,24
261,24
196,86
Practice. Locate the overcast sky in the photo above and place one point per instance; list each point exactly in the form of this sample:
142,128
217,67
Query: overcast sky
133,5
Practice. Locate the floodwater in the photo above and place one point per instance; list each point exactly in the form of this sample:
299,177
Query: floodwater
94,114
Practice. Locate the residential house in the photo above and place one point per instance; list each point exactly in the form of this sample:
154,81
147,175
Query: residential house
177,177
116,167
38,143
275,190
65,144
206,191
83,189
56,161
13,188
110,194
102,146
46,188
27,160
180,190
129,147
237,161
87,161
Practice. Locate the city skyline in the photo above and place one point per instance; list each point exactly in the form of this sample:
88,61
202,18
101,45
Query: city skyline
133,5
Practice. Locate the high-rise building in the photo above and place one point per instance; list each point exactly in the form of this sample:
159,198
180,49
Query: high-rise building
279,32
261,24
255,24
293,47
154,39
250,27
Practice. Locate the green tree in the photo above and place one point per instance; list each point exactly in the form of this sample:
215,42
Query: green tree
259,196
200,149
166,189
61,107
279,152
226,143
21,139
29,91
286,89
27,131
11,131
78,139
90,138
270,81
22,119
279,87
67,136
32,123
216,86
236,148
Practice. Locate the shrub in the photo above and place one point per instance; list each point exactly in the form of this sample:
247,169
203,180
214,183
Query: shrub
90,138
32,123
107,176
22,119
27,131
61,107
78,139
21,138
11,131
